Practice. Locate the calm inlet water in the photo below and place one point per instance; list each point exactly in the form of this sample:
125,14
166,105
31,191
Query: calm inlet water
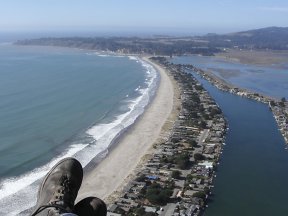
251,178
57,102
271,81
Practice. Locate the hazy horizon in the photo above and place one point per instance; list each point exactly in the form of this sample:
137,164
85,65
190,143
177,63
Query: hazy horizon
13,36
169,17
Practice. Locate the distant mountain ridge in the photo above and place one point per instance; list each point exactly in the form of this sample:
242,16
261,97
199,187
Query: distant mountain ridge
273,31
275,38
272,38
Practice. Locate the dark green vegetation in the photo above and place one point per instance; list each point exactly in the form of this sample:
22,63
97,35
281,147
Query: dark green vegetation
131,45
253,162
157,194
177,177
273,38
176,174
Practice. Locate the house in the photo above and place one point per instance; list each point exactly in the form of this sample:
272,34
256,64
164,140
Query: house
152,177
191,210
179,183
112,207
112,214
189,193
150,209
206,164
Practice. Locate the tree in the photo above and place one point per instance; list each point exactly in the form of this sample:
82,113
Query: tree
192,143
203,124
182,160
150,214
199,87
214,111
189,177
195,98
193,115
141,178
272,103
176,174
282,102
206,116
199,157
158,195
206,190
140,211
200,195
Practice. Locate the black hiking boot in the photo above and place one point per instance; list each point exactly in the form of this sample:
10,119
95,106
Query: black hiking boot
91,206
59,188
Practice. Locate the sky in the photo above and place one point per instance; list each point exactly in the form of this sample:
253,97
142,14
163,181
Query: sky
136,16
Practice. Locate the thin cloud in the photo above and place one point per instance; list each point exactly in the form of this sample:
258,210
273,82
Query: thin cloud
276,9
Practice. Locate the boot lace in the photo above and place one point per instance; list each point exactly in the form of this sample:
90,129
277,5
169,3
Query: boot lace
62,200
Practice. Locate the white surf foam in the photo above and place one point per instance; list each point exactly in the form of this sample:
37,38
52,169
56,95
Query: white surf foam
22,191
106,54
105,133
134,58
13,185
102,55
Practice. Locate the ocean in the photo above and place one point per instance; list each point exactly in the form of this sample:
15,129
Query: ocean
61,102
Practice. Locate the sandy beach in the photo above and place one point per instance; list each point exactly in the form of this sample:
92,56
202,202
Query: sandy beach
120,165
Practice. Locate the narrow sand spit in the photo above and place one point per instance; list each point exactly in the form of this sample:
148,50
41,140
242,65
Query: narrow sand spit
154,126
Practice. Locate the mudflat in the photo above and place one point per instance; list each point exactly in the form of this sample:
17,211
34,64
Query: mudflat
268,58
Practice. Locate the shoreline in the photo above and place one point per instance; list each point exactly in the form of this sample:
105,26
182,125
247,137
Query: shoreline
181,170
277,107
117,168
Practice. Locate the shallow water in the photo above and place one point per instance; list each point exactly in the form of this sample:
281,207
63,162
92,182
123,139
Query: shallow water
266,80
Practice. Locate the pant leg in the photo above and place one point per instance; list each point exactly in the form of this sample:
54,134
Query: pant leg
68,214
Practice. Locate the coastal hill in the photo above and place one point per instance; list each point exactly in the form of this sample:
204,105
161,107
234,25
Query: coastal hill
272,38
157,45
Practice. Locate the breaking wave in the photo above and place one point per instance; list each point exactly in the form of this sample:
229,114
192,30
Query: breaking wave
22,191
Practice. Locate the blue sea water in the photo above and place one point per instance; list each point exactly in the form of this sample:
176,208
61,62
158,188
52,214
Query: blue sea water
58,102
268,80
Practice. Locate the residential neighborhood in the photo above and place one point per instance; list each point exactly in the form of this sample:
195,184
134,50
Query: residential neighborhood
278,107
178,177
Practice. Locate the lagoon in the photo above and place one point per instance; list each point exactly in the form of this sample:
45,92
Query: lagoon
251,178
267,80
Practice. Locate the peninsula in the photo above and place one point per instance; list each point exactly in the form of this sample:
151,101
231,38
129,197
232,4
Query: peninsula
181,135
176,175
